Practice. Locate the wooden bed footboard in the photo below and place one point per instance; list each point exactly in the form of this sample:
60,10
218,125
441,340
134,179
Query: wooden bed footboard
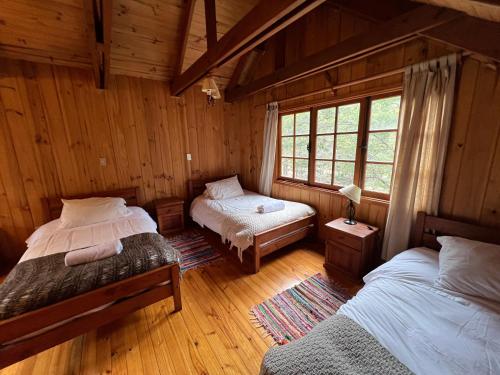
124,297
276,238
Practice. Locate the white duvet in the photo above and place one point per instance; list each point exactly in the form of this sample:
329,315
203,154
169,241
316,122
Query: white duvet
426,328
237,219
51,239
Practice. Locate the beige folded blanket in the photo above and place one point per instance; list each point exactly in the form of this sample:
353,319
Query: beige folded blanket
93,253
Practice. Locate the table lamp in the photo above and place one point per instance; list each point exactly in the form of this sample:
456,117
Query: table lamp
353,193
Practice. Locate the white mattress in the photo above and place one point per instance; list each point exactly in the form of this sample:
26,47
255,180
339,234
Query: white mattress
426,328
237,219
50,239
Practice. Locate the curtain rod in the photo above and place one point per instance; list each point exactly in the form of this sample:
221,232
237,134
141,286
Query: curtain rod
346,84
360,81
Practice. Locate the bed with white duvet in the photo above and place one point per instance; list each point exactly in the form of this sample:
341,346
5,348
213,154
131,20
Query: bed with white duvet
429,329
237,220
401,322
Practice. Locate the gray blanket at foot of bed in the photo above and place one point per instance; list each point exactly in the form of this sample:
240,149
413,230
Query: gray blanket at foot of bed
40,282
337,345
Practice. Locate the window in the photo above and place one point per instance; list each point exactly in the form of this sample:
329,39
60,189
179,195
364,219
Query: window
337,145
382,134
295,129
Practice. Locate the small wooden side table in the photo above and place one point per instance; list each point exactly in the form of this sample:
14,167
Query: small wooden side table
351,249
170,215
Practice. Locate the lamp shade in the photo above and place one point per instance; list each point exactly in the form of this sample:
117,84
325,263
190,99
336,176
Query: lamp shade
352,192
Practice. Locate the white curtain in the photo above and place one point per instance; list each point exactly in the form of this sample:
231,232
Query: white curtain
269,149
424,126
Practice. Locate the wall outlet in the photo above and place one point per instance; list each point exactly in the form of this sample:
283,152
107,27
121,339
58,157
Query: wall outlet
188,157
103,162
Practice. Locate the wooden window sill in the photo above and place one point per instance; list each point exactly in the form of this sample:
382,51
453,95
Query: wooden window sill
328,191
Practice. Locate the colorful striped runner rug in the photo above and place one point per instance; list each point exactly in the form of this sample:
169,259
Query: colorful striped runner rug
195,250
294,312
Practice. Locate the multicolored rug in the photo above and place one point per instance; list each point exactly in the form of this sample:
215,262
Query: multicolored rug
195,250
294,312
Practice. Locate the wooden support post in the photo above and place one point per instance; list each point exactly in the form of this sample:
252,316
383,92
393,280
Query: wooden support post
98,15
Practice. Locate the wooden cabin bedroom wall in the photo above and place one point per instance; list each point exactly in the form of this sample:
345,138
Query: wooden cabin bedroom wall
472,179
55,126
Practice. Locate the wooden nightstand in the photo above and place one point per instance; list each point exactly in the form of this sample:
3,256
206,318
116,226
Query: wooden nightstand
351,249
170,214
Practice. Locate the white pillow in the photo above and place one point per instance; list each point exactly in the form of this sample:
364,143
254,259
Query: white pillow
224,189
469,267
81,212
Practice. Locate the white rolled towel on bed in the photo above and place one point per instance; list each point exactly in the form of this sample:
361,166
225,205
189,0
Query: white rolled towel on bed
271,206
93,253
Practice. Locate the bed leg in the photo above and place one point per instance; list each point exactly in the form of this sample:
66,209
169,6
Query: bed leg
176,288
256,260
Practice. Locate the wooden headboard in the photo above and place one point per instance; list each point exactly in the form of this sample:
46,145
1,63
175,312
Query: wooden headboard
428,228
54,204
197,186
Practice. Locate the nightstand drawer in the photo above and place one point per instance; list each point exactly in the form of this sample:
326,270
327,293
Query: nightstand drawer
170,223
343,257
346,239
169,210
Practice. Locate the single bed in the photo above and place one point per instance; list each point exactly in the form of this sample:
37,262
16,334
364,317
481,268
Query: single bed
38,329
428,329
254,235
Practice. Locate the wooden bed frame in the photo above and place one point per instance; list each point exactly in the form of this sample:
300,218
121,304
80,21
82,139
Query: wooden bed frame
124,297
427,228
268,241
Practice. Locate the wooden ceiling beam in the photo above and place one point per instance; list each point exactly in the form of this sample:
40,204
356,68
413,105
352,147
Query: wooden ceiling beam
262,22
210,25
99,16
471,34
388,34
184,33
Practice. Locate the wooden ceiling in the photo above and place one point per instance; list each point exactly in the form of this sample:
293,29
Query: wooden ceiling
144,37
145,34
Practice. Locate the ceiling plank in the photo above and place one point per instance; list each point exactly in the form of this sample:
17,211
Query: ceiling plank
99,16
184,33
393,32
262,22
247,65
210,24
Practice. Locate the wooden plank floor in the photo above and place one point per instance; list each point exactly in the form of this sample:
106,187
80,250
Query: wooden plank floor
212,334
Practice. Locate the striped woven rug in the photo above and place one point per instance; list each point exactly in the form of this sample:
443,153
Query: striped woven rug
294,312
195,250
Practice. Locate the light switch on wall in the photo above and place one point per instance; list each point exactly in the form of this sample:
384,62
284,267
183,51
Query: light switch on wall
188,157
103,162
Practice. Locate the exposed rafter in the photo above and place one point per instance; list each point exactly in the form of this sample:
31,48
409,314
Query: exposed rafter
485,9
393,32
184,33
469,33
210,24
98,15
263,21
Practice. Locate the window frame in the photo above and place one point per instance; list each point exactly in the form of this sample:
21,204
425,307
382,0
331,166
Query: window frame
361,145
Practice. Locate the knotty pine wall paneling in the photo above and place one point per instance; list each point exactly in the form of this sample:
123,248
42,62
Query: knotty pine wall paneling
471,189
55,127
251,112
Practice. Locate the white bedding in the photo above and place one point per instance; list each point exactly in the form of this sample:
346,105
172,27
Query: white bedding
51,239
426,328
237,219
